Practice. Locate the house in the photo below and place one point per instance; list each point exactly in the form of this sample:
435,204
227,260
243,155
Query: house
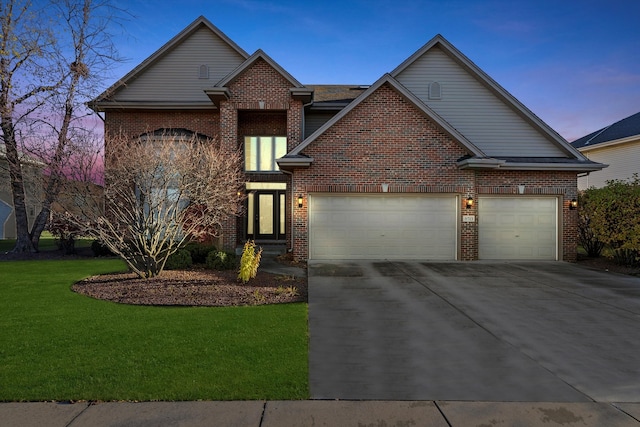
32,174
434,160
617,145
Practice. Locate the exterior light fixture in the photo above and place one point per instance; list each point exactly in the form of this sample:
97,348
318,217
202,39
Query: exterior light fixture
573,204
469,202
300,201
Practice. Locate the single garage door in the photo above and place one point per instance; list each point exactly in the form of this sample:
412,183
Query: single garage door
382,226
518,228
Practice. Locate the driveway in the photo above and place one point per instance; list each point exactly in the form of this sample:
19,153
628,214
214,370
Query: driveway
517,331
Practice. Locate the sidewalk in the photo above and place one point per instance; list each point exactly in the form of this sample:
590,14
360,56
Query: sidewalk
319,413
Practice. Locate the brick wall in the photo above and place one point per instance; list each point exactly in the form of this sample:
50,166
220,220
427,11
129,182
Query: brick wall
385,139
260,103
136,122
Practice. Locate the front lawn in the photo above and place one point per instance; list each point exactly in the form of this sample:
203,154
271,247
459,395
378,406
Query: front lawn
58,345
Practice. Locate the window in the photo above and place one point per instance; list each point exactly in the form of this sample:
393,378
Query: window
261,152
203,72
435,91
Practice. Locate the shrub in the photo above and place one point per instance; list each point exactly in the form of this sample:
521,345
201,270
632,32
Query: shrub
613,217
249,262
65,231
100,249
221,260
199,251
586,236
179,260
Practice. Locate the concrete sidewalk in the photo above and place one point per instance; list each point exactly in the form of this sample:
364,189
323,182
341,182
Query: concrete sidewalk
319,413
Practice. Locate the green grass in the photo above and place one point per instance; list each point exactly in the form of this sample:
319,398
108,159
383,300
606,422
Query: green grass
58,345
47,243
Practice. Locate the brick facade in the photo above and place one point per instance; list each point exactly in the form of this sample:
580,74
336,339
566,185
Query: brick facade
134,123
384,139
260,103
387,140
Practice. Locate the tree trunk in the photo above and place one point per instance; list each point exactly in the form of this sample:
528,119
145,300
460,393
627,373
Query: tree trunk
38,226
23,239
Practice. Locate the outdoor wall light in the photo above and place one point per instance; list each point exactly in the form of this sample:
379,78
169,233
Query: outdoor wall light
469,202
300,201
573,204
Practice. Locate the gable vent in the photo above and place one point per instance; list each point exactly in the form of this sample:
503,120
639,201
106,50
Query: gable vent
203,72
435,90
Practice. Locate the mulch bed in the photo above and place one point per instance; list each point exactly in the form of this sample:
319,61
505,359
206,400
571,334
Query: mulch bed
197,287
606,264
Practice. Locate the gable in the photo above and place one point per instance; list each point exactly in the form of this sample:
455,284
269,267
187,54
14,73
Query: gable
473,109
384,138
175,77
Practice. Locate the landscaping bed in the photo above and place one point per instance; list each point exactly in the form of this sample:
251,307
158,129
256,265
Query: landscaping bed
195,287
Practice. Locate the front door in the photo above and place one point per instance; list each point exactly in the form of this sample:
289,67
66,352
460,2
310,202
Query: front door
266,214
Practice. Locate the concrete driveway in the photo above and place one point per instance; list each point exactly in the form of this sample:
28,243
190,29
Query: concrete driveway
517,331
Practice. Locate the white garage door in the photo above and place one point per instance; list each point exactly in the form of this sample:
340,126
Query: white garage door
518,228
386,226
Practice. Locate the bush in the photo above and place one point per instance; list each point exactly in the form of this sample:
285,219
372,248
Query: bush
199,251
65,231
221,260
179,260
612,213
100,249
586,236
249,262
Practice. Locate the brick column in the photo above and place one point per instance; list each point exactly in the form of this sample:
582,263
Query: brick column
228,141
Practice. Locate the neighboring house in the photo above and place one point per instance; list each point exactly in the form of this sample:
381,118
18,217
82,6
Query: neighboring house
617,145
32,171
434,160
79,198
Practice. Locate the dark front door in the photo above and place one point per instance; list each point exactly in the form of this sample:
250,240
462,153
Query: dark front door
266,215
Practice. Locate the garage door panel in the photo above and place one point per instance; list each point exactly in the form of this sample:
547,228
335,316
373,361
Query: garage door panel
382,227
517,228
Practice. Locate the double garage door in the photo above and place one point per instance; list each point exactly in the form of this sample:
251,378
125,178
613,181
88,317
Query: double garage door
382,226
408,226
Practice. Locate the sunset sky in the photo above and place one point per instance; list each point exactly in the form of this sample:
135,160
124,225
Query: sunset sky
576,64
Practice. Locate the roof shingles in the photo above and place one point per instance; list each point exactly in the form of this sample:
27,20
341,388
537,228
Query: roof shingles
625,128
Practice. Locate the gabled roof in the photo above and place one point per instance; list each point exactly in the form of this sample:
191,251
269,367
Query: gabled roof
618,132
476,159
167,47
296,157
445,46
259,54
220,90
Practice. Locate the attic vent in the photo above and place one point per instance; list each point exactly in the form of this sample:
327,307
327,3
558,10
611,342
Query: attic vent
203,72
435,90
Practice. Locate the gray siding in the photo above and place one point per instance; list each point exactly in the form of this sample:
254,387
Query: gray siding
623,161
474,110
175,76
313,121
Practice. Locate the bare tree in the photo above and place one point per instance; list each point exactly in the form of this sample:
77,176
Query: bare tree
161,190
51,56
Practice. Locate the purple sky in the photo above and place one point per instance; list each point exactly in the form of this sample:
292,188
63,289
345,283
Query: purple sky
576,64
